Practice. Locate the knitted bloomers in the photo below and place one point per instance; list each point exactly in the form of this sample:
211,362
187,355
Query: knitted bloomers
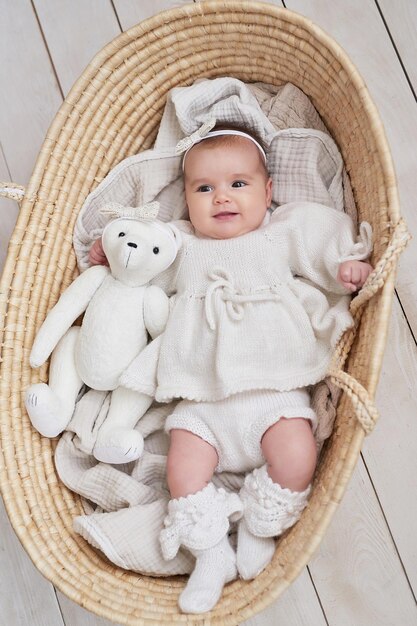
200,523
269,509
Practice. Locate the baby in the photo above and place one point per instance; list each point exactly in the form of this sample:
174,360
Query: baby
250,328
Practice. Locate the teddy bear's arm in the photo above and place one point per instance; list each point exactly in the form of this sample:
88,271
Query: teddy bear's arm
155,310
70,305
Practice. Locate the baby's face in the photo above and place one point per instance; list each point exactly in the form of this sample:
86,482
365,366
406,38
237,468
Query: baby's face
227,189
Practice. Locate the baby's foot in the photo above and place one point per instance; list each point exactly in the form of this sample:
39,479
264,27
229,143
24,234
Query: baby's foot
118,445
45,410
213,569
253,553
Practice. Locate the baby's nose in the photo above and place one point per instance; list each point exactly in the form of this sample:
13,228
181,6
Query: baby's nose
132,245
222,197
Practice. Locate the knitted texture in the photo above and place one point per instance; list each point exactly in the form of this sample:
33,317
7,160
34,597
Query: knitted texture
235,425
265,309
199,521
253,553
213,569
269,509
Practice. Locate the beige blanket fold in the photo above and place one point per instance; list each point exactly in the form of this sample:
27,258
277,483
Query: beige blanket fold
125,505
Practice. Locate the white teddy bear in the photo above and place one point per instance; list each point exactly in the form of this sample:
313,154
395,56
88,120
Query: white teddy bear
121,308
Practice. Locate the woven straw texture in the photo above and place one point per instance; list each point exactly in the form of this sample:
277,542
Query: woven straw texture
113,111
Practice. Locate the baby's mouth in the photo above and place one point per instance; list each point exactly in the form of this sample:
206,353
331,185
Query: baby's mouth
225,215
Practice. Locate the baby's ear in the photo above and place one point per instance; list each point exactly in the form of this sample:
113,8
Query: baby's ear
177,234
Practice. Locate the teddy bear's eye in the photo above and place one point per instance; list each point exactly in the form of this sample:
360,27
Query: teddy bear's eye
122,234
156,250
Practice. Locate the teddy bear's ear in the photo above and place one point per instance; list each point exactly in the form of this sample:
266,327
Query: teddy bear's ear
177,234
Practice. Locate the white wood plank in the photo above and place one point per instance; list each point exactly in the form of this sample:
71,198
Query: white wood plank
359,29
298,606
391,451
401,19
29,94
26,597
75,30
75,615
8,213
356,571
131,12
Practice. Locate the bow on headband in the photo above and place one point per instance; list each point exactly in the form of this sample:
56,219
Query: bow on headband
146,212
187,142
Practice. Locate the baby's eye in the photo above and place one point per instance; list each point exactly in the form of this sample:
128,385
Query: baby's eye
122,234
239,183
205,188
156,250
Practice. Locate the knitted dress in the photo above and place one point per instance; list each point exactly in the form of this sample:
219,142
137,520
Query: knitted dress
259,311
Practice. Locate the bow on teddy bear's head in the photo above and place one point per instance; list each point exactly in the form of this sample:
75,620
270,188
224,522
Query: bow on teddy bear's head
136,244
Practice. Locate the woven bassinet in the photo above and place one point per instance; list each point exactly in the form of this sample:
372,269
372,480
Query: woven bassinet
113,111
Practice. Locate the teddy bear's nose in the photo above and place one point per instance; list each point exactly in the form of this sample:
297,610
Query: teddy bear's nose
132,245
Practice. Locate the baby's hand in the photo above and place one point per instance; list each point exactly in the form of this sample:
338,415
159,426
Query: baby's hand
352,274
96,255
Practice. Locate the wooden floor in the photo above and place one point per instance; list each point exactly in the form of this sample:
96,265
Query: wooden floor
365,571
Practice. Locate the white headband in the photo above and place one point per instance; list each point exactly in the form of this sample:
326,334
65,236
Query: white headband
219,133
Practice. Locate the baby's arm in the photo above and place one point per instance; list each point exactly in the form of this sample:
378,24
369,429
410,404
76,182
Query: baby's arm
353,274
320,241
96,255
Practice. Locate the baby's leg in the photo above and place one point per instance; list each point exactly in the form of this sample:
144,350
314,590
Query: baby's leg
191,463
198,519
275,494
50,407
290,451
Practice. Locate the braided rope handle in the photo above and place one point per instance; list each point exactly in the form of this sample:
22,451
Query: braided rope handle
364,407
12,191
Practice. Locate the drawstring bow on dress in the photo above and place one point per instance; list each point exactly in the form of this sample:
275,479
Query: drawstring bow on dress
222,287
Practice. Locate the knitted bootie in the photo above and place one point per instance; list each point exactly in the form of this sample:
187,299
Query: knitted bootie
269,509
214,567
253,553
200,523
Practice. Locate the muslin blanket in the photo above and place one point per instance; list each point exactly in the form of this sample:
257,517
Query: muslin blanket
125,505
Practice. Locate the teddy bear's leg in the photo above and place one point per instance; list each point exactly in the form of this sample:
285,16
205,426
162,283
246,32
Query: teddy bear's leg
117,440
50,407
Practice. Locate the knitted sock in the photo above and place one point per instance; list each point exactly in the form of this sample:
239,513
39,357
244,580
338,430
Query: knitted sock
269,509
200,523
253,553
213,569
